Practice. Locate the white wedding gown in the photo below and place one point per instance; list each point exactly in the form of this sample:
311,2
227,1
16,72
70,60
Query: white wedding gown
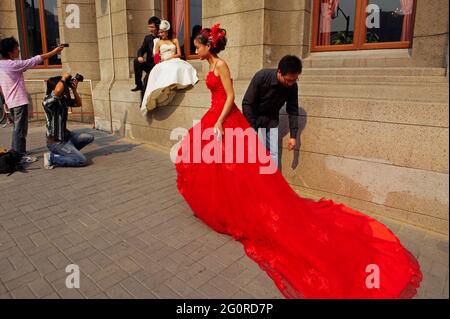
166,78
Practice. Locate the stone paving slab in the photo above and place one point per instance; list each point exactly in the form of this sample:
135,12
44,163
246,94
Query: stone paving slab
123,222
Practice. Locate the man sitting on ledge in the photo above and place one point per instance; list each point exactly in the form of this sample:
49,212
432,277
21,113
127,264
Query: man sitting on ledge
146,64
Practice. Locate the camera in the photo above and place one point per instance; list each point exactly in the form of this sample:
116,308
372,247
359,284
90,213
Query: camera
77,77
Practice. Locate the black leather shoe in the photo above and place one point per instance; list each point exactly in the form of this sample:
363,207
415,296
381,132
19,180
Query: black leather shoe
137,88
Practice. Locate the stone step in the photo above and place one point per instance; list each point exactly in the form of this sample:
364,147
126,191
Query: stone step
357,62
377,76
401,145
423,113
359,59
426,92
407,92
387,111
368,74
376,71
410,79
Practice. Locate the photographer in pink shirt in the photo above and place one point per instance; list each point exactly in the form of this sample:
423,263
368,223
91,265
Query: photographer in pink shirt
12,85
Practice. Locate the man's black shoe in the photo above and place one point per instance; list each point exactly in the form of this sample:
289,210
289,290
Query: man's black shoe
137,88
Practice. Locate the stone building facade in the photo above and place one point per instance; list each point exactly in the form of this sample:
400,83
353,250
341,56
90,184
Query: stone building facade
374,117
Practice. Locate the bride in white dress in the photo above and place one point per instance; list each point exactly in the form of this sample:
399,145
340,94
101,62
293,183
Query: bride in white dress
169,75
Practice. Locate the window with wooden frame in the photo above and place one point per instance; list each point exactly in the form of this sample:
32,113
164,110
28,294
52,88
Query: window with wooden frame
38,29
185,17
340,25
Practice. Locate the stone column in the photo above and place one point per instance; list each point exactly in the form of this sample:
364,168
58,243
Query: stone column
447,57
129,27
82,55
430,34
286,30
129,21
138,13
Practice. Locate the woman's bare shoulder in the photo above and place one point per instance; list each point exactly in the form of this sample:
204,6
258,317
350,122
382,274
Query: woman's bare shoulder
222,65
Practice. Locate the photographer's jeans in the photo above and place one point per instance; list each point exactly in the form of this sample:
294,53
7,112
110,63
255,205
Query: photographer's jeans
68,154
270,139
19,116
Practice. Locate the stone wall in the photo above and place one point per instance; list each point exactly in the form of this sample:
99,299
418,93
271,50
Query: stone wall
286,30
430,33
243,21
81,57
128,24
8,19
83,54
259,32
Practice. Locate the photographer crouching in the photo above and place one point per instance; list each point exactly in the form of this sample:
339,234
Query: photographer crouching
64,146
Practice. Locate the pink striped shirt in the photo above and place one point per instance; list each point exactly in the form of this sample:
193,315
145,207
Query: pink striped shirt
12,82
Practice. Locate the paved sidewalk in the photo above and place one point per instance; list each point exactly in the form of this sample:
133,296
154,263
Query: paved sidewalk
122,220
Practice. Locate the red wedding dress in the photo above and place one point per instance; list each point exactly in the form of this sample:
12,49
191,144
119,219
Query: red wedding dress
310,249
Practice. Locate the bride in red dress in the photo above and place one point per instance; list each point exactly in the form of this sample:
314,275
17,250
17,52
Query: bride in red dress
310,249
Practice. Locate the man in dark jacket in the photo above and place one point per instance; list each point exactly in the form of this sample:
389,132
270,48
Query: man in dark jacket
268,91
146,64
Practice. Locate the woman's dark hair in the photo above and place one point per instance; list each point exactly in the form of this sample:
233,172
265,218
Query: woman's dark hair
290,64
7,46
51,83
170,35
196,30
216,37
154,20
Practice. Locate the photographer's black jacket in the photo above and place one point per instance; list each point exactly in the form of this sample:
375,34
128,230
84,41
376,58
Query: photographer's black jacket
264,99
56,113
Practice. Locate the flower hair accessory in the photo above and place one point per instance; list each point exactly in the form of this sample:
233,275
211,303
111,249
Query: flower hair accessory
216,34
164,26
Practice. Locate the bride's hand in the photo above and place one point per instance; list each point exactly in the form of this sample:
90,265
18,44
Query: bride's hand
218,131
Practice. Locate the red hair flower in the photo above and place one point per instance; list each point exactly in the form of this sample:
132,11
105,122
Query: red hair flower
216,34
